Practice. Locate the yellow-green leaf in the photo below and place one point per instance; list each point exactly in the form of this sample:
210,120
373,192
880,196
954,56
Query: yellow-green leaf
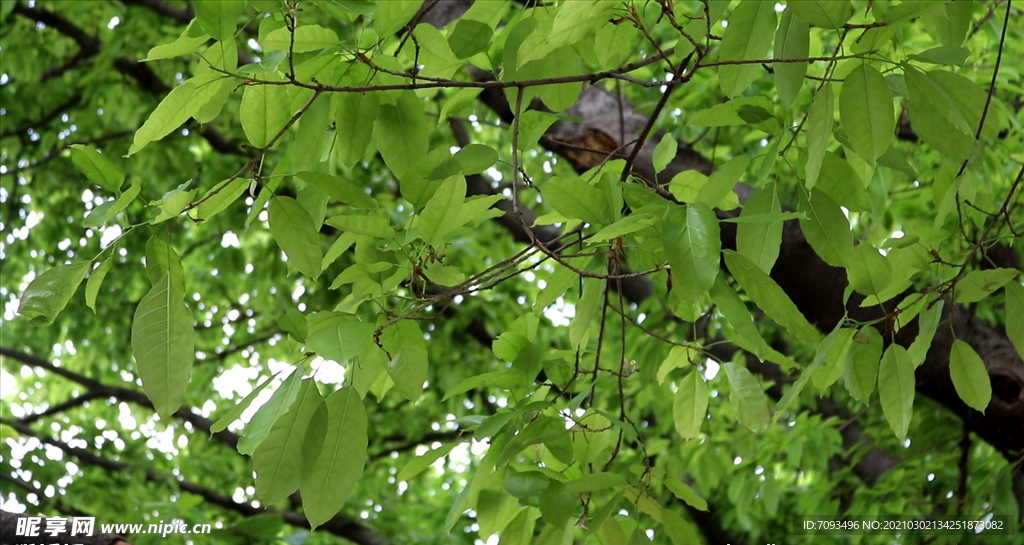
866,112
48,294
896,387
690,405
337,468
970,378
97,167
692,243
163,343
296,234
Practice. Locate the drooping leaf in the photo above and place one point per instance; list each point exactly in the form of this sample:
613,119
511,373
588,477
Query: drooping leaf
92,286
162,259
402,131
690,405
970,377
866,112
664,152
862,358
760,242
48,294
826,229
692,245
1015,316
819,132
748,37
721,182
354,118
280,402
163,343
792,41
896,388
869,272
296,234
97,167
276,459
264,111
747,397
443,212
408,365
343,342
340,461
219,18
770,298
224,421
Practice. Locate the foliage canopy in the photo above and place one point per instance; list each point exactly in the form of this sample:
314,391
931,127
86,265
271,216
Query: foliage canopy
609,271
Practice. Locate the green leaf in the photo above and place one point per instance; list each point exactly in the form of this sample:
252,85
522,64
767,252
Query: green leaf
739,319
339,189
936,116
343,342
748,37
476,158
220,197
770,298
173,110
862,359
928,324
678,358
163,343
626,225
264,111
720,183
276,459
576,199
760,242
402,133
236,411
307,38
393,15
738,111
954,56
690,405
186,44
161,259
819,132
97,168
970,378
692,245
896,388
977,285
48,294
822,13
443,212
592,482
839,180
92,286
686,493
173,202
469,37
664,152
829,363
792,41
420,463
354,118
1015,316
826,229
869,272
341,459
296,235
866,112
408,365
747,397
586,308
526,484
369,224
280,401
219,18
